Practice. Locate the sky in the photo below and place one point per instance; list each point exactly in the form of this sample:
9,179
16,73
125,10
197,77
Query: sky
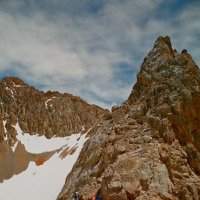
91,48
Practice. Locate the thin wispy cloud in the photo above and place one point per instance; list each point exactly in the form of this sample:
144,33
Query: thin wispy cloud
92,49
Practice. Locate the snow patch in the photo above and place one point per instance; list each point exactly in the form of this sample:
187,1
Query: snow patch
83,128
14,147
45,181
39,144
41,182
16,85
46,102
4,126
5,130
8,89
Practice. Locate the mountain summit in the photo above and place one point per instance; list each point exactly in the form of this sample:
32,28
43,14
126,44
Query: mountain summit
147,148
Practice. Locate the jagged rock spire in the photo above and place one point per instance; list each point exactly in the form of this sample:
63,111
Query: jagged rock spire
162,64
150,147
163,42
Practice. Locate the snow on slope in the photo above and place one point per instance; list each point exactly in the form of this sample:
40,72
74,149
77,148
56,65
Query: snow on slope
42,182
4,126
46,102
39,144
5,130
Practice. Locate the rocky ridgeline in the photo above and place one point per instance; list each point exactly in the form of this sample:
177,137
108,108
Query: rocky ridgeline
148,148
49,114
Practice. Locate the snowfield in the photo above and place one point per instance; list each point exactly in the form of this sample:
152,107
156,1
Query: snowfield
42,182
39,144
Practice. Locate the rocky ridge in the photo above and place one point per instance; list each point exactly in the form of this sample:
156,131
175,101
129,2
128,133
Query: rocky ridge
147,148
44,113
35,112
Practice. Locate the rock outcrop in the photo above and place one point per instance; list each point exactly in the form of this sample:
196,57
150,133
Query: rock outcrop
149,147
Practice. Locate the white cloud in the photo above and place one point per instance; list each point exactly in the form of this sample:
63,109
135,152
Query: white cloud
69,49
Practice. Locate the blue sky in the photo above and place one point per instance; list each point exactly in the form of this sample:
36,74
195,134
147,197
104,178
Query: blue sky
90,48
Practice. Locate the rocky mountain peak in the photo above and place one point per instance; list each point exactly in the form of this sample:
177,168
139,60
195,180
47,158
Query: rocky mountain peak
13,83
163,64
149,148
163,42
44,113
14,80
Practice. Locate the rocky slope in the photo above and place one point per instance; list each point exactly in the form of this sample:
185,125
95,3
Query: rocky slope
49,114
149,147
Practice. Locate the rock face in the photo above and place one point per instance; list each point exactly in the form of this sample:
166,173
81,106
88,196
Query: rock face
49,114
149,147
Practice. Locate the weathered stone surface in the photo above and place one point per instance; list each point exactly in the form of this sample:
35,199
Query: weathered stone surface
149,148
50,113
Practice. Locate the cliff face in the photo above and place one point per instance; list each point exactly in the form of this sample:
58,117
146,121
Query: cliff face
149,147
